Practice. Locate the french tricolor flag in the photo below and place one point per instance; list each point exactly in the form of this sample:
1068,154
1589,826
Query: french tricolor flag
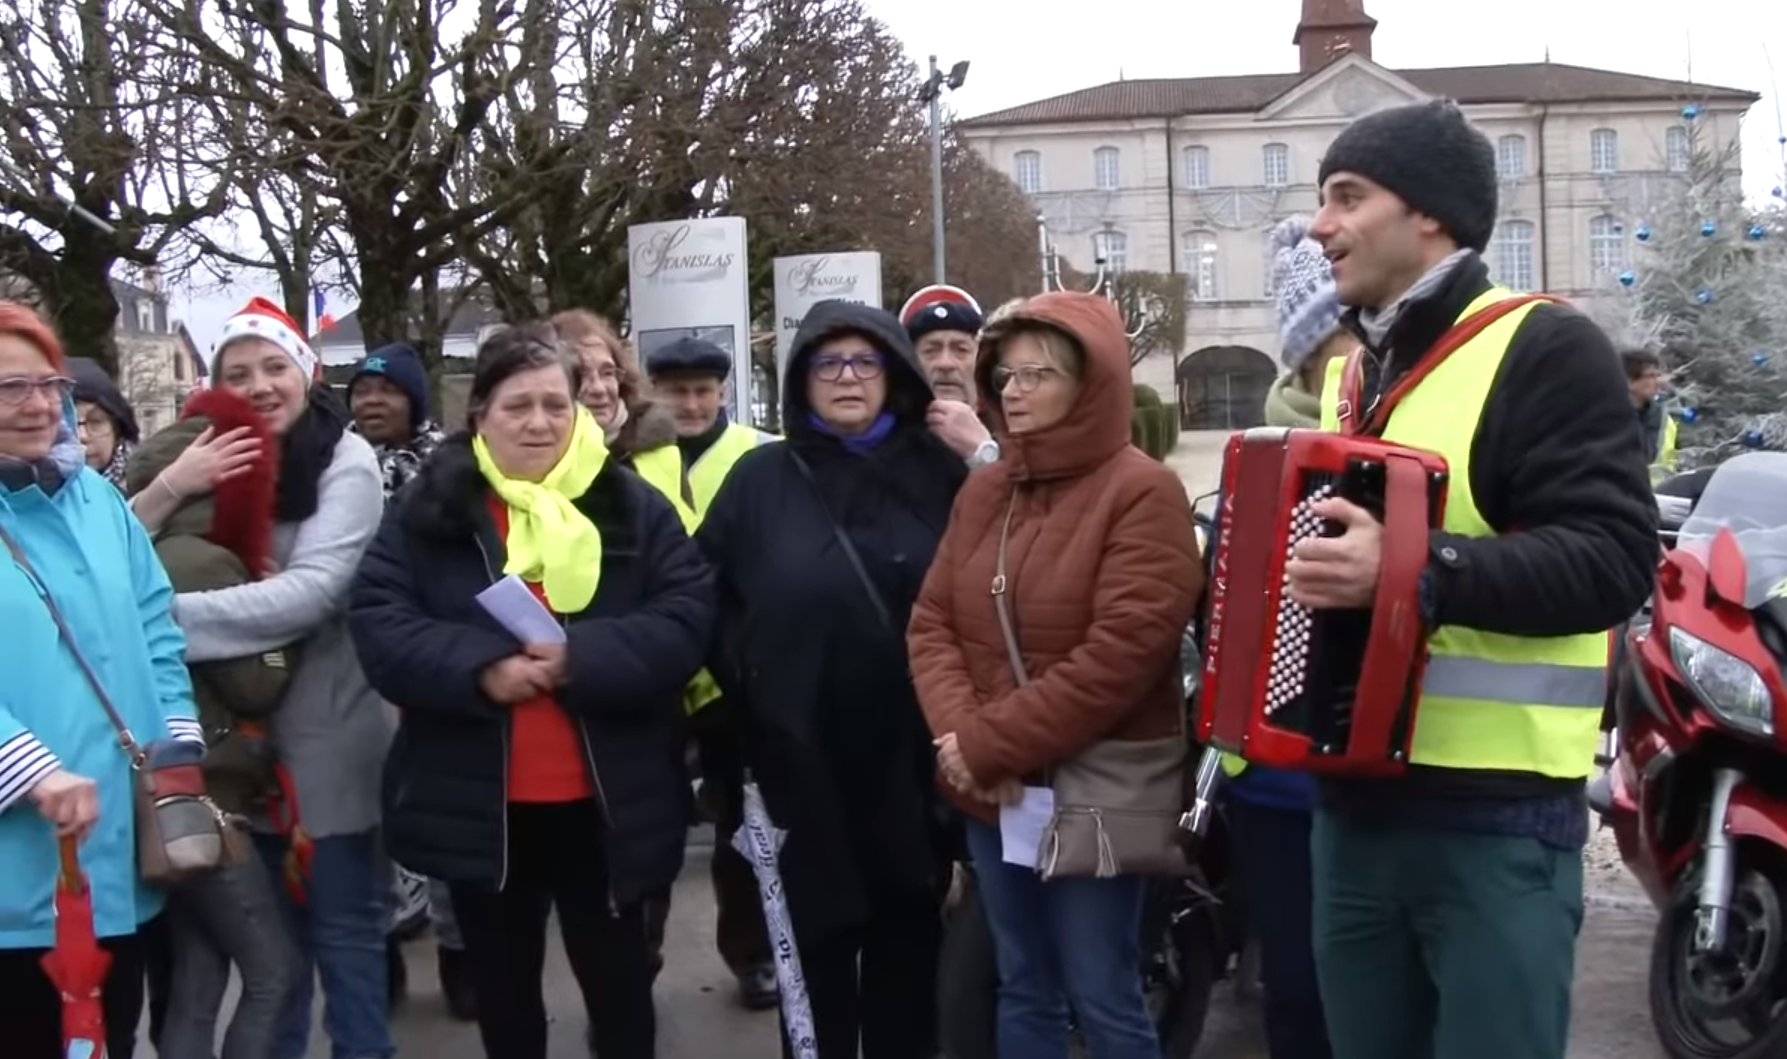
324,322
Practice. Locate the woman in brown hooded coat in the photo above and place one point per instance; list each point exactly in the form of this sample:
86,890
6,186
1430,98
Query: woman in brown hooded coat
1102,574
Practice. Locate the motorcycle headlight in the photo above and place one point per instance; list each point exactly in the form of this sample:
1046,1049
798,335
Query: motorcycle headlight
1728,685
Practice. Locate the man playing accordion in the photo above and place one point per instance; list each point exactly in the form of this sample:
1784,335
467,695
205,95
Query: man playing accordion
1448,897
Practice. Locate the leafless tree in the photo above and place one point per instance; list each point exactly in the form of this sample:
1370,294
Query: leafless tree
92,115
358,119
798,115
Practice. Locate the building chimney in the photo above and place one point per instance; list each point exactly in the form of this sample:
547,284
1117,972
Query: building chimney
1331,29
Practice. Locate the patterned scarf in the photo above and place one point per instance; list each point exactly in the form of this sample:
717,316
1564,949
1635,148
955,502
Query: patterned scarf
113,471
399,464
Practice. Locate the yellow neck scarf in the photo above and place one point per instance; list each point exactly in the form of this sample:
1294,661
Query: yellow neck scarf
550,542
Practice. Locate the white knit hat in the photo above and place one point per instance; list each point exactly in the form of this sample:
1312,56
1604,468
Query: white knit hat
261,318
1308,304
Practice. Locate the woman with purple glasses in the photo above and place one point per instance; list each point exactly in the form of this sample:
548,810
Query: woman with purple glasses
821,543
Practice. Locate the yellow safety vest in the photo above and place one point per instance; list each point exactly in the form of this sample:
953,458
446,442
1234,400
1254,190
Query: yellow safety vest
1664,467
716,463
1488,700
662,469
666,473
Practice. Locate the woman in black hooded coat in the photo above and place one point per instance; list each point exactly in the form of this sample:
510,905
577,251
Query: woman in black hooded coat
813,659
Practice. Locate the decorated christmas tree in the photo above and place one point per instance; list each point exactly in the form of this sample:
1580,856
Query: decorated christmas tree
1707,288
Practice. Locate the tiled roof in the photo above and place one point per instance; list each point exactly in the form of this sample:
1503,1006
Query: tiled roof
1513,83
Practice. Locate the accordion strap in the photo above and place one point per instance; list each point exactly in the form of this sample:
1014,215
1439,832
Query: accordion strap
1355,418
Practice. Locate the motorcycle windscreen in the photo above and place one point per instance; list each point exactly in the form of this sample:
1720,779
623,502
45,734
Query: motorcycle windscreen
1746,495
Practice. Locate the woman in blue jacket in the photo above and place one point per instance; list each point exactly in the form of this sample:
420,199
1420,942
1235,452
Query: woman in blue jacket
61,769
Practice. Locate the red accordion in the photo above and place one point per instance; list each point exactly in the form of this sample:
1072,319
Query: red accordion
1328,691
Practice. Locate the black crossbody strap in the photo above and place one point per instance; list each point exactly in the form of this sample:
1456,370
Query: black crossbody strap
850,552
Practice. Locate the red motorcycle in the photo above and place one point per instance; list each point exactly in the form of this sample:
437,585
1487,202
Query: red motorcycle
1697,795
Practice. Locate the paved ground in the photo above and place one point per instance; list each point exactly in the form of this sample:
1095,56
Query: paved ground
698,1019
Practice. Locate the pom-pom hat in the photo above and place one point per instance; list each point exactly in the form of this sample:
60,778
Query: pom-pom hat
261,318
1306,302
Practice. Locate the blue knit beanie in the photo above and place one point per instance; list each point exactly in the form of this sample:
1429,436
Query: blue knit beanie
400,364
1308,305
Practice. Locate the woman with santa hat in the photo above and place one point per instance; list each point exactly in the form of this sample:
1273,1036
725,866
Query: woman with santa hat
330,731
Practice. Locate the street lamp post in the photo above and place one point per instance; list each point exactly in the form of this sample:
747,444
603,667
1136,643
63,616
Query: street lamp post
931,92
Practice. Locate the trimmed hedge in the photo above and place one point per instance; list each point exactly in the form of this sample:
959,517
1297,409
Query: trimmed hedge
1155,429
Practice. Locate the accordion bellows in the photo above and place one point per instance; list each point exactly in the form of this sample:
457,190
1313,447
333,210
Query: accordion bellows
1328,691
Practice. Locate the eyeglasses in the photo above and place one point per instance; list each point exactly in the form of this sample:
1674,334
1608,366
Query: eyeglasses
830,367
97,424
55,389
1029,376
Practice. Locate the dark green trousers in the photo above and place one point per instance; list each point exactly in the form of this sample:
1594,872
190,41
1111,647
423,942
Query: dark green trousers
1435,944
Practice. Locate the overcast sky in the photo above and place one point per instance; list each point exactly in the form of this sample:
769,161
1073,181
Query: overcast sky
1022,52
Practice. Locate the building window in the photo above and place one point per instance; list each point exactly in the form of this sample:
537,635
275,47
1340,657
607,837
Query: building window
1277,160
1198,249
1510,157
1113,247
1105,169
1603,151
1511,254
145,315
1675,149
1606,244
1026,169
1197,167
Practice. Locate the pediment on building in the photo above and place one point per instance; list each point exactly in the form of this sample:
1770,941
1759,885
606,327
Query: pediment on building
1345,89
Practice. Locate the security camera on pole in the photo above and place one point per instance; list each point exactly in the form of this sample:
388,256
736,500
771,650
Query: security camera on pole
931,92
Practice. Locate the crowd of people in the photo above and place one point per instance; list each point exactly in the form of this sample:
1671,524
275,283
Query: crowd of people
949,581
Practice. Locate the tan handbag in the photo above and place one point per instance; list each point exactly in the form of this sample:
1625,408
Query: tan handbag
180,831
1117,802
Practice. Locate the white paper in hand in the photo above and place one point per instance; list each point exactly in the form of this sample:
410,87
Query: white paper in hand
514,607
1023,826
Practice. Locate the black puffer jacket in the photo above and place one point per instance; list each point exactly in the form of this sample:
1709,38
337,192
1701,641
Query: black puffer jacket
424,641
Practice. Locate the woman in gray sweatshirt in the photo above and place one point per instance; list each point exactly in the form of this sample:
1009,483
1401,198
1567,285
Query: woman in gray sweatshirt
331,730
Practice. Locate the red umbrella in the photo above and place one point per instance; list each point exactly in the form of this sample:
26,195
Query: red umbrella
77,965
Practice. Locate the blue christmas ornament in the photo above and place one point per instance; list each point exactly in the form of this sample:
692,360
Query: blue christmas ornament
1753,439
1690,112
1757,233
1627,278
1689,415
1759,358
1704,297
1642,234
1709,229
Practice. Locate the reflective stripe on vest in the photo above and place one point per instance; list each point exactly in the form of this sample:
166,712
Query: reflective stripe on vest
1490,701
713,466
662,469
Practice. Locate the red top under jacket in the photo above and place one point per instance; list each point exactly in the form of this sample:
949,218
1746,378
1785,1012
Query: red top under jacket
546,756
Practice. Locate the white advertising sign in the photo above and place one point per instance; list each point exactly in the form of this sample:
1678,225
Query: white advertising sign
805,280
690,279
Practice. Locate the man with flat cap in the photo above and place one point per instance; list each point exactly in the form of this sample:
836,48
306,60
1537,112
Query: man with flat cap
1448,898
689,375
944,324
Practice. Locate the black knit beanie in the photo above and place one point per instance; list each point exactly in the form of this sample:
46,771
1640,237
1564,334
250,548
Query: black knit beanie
1432,157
